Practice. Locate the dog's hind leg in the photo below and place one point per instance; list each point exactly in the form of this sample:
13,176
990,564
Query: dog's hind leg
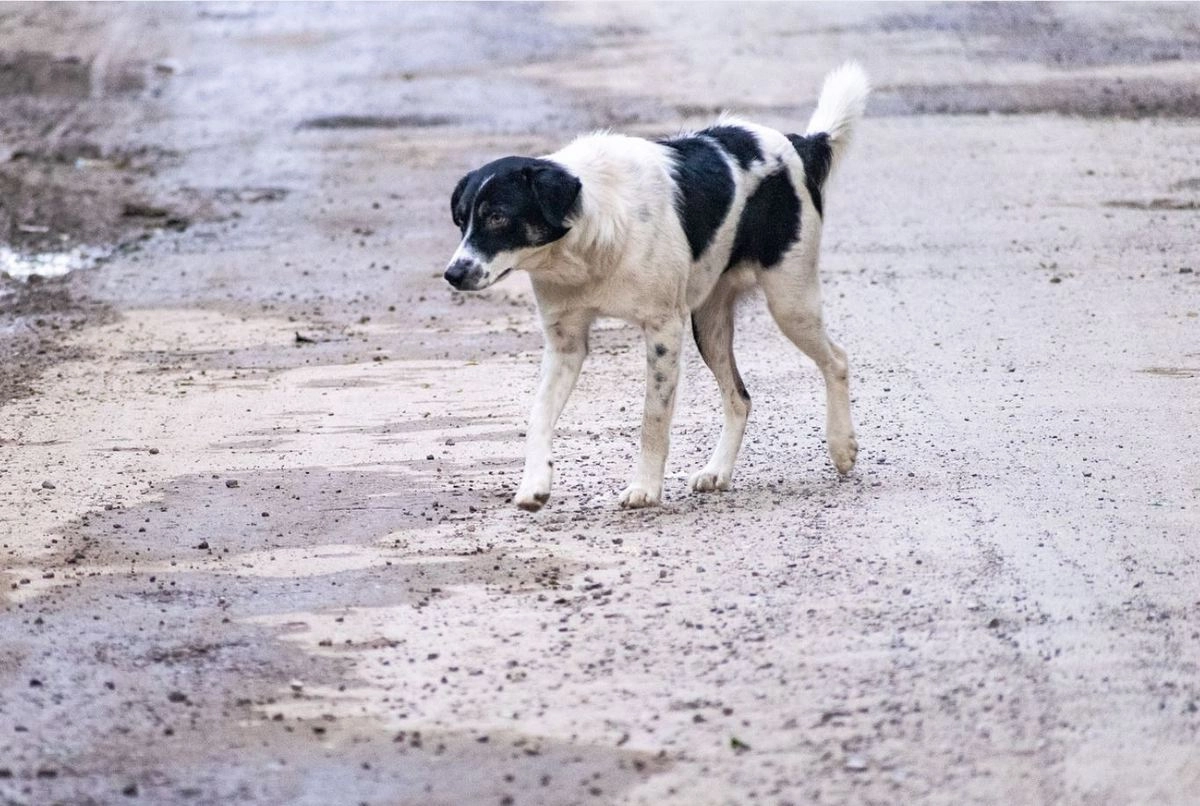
663,342
566,347
712,326
794,299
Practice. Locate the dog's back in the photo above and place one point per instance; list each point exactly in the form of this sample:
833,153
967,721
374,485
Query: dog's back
742,195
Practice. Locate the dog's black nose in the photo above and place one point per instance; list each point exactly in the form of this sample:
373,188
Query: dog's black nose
457,271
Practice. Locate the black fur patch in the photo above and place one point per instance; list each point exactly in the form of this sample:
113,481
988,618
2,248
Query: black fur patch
817,155
770,222
704,185
740,143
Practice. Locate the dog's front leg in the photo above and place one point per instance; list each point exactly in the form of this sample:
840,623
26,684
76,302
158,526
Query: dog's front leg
663,342
566,347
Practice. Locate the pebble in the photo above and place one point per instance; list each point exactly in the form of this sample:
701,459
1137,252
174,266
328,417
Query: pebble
855,763
48,485
231,483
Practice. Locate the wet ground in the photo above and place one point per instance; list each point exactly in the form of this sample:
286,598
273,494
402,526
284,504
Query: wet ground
255,539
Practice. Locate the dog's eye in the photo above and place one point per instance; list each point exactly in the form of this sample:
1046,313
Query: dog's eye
496,220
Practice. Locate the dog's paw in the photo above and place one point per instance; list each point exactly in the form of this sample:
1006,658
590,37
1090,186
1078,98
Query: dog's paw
635,497
709,481
530,500
843,452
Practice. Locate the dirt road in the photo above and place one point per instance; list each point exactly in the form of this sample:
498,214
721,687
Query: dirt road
255,539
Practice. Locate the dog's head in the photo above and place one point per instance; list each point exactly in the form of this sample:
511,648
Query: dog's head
505,210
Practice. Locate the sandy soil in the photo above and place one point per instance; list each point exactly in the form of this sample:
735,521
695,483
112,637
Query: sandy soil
255,539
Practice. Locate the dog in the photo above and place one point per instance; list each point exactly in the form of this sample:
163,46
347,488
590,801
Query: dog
655,233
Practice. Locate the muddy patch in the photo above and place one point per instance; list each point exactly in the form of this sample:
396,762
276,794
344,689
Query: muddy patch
209,516
63,181
35,73
1084,97
1042,32
410,121
331,337
65,193
1060,38
34,318
152,659
1154,204
1128,98
1191,183
1173,372
121,685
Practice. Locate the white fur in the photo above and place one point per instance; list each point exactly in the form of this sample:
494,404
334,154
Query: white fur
843,99
626,255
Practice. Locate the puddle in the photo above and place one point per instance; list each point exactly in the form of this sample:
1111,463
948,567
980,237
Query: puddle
22,266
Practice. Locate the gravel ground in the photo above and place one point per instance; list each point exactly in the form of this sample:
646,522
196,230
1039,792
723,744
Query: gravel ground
255,538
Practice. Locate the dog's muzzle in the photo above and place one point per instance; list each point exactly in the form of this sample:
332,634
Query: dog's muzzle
463,273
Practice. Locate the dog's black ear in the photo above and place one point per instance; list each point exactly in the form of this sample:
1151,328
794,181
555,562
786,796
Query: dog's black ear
555,190
459,216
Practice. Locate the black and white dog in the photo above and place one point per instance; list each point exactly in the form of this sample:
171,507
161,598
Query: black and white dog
655,233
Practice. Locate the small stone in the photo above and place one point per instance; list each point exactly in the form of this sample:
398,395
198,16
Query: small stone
855,763
177,696
48,485
130,791
154,451
203,544
231,483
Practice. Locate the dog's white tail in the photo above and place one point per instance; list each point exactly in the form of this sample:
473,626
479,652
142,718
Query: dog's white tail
843,98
